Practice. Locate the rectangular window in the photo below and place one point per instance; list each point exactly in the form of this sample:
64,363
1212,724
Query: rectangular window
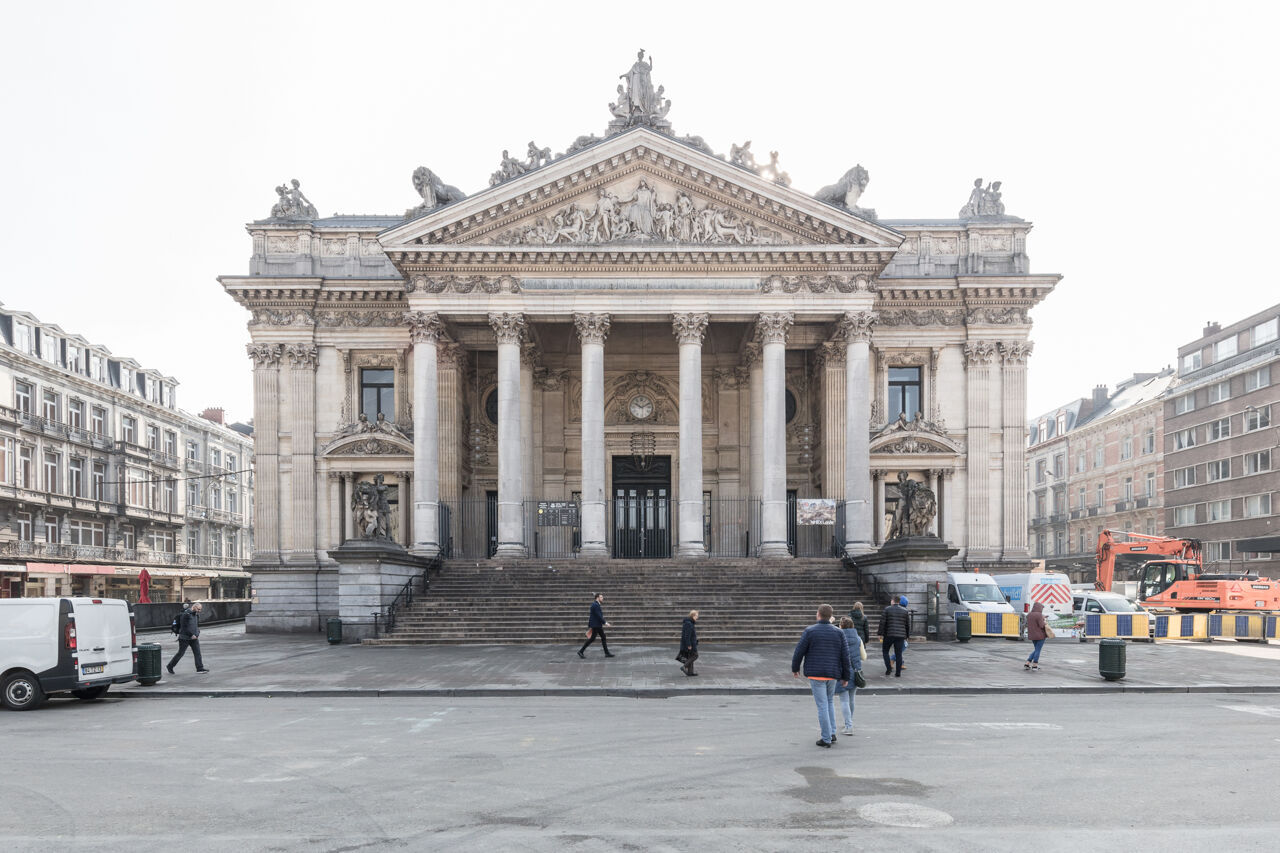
166,496
22,338
26,467
378,393
1184,438
232,501
193,494
49,349
1266,331
1184,515
22,397
98,420
99,481
231,466
1220,391
1219,470
1042,469
1151,527
1149,441
1059,463
1220,429
97,368
1256,463
160,540
1183,477
1151,484
1255,379
50,407
153,437
23,520
1257,505
1191,361
51,465
1185,403
1127,489
193,451
215,498
51,529
193,540
74,354
129,429
1080,498
75,414
215,457
136,487
1220,510
86,533
171,442
75,477
1224,349
1257,418
1126,447
1099,456
6,461
1217,552
1082,463
904,392
127,539
1100,493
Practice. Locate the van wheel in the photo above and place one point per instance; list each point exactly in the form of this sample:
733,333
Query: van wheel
21,691
91,693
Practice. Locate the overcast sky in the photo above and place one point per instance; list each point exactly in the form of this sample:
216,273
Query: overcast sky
1140,138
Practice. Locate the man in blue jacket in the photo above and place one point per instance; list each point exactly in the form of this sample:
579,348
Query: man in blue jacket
596,626
825,653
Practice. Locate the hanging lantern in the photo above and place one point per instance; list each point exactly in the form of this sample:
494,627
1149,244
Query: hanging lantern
643,445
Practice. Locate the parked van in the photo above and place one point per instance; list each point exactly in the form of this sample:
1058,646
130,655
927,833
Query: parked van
1052,589
975,593
56,645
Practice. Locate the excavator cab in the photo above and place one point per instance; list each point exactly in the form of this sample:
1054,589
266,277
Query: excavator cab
1159,575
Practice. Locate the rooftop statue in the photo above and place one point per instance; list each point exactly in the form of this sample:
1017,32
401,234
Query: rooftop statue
983,201
292,204
435,192
740,155
774,171
639,103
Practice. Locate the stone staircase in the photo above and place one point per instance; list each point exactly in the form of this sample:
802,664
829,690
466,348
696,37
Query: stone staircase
532,601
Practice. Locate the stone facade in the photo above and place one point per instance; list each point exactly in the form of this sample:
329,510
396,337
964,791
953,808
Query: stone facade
660,348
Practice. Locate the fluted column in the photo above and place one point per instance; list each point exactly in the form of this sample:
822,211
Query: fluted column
528,355
855,327
302,379
689,331
771,331
1013,368
334,535
933,487
408,527
348,517
425,330
877,506
831,370
592,331
509,329
980,541
450,372
266,451
755,378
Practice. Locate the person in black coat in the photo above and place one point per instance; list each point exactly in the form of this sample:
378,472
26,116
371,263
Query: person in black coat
189,636
689,643
596,626
895,626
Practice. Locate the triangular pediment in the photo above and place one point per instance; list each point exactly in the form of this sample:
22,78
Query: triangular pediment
639,189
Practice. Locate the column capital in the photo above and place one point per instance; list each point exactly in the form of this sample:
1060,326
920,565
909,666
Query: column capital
690,328
592,328
302,356
450,355
528,354
750,355
977,353
772,328
265,355
830,354
856,326
424,326
509,328
1015,352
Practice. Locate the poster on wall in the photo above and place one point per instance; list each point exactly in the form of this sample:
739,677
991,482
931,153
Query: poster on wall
815,511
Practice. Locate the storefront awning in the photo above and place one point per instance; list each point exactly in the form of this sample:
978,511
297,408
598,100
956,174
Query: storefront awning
64,569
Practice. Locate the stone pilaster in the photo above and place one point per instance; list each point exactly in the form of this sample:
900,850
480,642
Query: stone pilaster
831,370
855,329
771,331
300,540
451,382
981,541
425,330
509,330
333,535
689,331
266,452
1013,406
592,331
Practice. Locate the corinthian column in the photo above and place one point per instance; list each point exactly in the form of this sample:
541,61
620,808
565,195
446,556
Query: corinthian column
592,330
302,526
266,452
979,539
831,370
771,331
689,330
509,329
856,330
425,330
1013,361
755,373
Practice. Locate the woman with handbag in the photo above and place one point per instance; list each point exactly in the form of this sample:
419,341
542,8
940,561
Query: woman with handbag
689,643
1037,633
857,654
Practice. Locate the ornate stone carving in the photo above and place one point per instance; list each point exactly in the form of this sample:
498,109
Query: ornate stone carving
830,353
772,328
359,319
273,317
362,424
817,283
846,192
639,103
435,192
292,204
424,326
983,202
549,378
750,354
509,328
580,143
920,317
658,389
265,355
856,326
978,353
280,245
690,328
914,444
945,245
1015,352
508,168
371,447
741,156
302,356
774,172
592,328
918,425
915,510
371,510
643,215
730,380
997,316
451,355
460,284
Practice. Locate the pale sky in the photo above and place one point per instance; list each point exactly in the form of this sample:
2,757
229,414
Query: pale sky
1140,138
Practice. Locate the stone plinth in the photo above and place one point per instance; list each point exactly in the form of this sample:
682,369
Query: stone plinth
910,566
371,572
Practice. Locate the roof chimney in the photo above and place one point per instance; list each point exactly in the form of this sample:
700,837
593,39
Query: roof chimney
1100,396
218,416
1212,328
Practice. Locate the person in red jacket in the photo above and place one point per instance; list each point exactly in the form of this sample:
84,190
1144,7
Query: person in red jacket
1037,634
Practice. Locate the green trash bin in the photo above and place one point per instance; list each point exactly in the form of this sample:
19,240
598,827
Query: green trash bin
1111,658
148,663
335,630
964,626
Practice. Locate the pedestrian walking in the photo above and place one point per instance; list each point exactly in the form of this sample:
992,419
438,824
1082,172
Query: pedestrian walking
596,626
860,622
825,655
857,654
189,637
689,643
1037,634
895,625
893,655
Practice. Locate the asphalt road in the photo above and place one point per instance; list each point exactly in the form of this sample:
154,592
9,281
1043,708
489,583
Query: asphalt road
985,772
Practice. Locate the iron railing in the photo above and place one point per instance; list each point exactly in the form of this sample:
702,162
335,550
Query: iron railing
385,621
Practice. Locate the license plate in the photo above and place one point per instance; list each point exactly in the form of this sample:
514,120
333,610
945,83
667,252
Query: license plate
92,668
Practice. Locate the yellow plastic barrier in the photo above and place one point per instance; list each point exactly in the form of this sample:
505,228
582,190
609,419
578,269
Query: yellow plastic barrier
994,624
1182,626
1237,626
1126,626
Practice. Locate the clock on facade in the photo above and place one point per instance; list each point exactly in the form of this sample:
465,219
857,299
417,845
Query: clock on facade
641,407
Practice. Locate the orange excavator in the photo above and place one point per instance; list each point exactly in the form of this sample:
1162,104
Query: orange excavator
1170,574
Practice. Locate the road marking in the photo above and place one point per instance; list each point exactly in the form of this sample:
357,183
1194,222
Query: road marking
1254,709
965,726
907,815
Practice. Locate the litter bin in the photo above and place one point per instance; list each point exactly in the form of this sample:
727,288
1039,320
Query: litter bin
964,627
148,663
1111,658
335,630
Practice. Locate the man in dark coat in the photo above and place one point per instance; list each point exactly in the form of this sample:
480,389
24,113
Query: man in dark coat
895,625
189,635
825,654
689,642
596,626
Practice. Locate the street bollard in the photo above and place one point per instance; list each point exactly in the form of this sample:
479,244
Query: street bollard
148,663
335,630
964,627
1111,658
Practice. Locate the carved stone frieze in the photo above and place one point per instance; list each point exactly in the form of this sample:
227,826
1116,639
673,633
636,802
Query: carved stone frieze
509,328
550,378
278,244
1015,352
370,447
424,326
772,328
592,328
359,319
856,326
461,284
265,355
997,316
690,328
918,425
817,284
920,317
302,356
287,317
731,380
914,444
977,353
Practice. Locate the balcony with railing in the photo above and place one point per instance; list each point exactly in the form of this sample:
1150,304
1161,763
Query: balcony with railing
194,466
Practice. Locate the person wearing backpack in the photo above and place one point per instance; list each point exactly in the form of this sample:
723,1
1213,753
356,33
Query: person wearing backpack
189,635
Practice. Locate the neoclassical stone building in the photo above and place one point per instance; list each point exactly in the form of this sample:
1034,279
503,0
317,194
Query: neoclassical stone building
637,348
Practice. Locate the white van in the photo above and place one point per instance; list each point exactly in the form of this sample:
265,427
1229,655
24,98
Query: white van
973,592
55,645
1052,589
